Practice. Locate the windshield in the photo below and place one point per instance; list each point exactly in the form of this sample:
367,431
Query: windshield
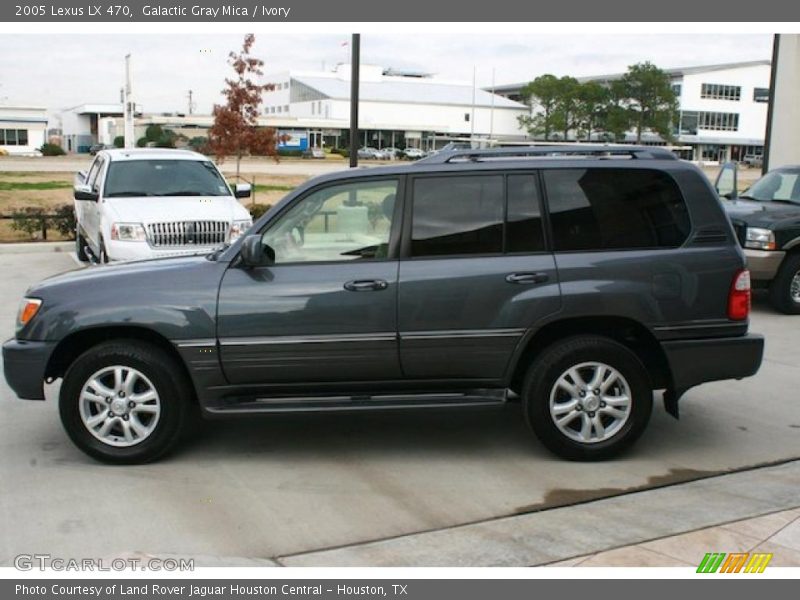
164,178
777,186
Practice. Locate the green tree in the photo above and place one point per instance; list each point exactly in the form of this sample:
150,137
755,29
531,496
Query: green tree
645,92
153,133
592,109
119,141
542,94
566,113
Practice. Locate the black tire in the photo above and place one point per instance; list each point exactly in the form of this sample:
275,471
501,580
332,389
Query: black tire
780,290
102,255
80,247
160,368
554,361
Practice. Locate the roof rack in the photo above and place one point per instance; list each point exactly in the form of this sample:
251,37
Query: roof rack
550,151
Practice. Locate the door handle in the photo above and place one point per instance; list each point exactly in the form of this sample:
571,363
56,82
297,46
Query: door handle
527,278
366,285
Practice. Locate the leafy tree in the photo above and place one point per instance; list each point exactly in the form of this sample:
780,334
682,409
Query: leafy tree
566,112
153,133
141,142
235,131
592,109
646,93
119,141
542,93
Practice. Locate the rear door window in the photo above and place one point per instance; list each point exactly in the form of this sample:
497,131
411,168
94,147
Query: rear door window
615,209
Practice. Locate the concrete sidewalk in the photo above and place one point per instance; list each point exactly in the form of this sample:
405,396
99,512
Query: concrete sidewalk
675,525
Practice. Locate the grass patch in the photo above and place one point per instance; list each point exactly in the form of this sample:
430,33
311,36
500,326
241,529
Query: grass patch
26,186
273,188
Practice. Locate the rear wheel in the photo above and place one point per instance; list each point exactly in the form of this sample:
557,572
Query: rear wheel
124,402
784,291
587,398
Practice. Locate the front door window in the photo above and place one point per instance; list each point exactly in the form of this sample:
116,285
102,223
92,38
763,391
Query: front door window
346,222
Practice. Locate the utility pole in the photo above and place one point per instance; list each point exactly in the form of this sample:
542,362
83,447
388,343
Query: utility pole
355,51
491,115
191,103
128,105
472,115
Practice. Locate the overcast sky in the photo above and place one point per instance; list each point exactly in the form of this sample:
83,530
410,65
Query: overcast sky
59,71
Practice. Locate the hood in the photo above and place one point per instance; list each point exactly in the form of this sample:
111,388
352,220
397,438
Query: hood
124,271
755,213
148,210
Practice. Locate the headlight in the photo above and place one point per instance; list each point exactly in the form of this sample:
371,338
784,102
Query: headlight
27,310
128,232
760,239
238,228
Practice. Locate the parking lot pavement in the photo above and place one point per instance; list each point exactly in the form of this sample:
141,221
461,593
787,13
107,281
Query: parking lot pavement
283,485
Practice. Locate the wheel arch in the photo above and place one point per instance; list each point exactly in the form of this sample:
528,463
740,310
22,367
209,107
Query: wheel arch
623,330
78,342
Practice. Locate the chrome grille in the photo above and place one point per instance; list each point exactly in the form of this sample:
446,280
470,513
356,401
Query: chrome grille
187,233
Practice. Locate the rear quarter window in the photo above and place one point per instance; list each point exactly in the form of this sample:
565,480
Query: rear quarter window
615,209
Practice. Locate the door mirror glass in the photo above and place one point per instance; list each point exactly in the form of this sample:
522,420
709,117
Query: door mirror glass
726,184
255,253
348,221
84,192
242,190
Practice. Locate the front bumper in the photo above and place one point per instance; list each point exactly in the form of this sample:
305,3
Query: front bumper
693,362
763,264
24,365
118,250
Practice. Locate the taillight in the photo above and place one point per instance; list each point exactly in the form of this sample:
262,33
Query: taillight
739,297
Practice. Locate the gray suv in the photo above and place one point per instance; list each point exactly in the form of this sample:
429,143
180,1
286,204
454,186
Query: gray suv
575,280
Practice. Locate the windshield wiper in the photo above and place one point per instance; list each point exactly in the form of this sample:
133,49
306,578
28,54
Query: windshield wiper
186,193
130,194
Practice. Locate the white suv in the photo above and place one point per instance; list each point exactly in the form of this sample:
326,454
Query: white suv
147,203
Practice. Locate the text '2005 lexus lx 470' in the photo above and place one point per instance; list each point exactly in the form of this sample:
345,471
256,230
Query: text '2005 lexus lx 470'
576,281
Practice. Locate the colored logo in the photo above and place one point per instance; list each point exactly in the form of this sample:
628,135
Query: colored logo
735,562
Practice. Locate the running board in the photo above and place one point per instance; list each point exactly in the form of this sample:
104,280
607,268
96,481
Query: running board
286,404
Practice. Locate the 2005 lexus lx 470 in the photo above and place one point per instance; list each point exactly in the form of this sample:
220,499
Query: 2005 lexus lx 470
575,280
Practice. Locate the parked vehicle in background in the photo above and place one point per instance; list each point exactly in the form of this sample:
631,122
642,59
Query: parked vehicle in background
315,152
577,284
753,161
414,153
369,153
93,150
766,218
149,203
392,153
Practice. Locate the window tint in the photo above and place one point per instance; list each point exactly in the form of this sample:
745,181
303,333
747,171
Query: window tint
608,209
457,215
341,222
524,220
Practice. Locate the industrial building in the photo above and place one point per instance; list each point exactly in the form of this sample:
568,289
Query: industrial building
723,109
22,129
312,109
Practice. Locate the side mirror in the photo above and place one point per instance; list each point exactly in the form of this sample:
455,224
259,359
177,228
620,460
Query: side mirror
242,190
727,181
84,192
255,253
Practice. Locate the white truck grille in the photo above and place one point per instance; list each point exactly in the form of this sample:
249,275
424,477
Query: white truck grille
187,233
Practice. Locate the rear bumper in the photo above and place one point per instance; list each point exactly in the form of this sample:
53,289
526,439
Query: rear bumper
24,365
763,264
693,362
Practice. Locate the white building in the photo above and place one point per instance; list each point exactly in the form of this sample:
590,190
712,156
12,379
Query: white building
723,108
22,129
88,124
395,108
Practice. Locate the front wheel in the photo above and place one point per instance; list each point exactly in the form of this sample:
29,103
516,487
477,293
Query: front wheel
587,398
784,291
80,246
124,402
